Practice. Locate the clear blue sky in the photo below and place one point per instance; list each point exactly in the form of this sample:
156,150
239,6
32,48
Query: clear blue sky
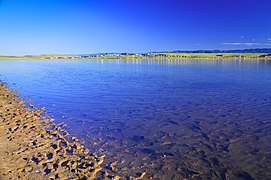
90,26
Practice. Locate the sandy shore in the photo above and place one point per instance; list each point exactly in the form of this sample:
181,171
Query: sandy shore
33,147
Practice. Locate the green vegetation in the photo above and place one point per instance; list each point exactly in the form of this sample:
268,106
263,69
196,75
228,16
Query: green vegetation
43,56
215,55
148,56
186,56
10,57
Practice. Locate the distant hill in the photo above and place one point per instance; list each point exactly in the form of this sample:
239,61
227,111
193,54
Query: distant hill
258,50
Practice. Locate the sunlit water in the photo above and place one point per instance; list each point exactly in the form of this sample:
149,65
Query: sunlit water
169,118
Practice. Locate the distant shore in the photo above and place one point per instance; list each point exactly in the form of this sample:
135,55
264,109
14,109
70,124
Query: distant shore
33,147
181,56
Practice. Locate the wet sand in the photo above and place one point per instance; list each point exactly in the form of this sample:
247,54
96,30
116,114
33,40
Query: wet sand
33,147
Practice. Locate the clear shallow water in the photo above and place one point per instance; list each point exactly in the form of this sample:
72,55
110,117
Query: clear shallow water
171,118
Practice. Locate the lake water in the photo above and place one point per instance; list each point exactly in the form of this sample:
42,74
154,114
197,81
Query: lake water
170,118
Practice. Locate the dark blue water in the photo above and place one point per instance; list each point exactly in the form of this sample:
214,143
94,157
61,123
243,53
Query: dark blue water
169,118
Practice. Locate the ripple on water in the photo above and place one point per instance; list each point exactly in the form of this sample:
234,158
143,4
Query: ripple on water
176,119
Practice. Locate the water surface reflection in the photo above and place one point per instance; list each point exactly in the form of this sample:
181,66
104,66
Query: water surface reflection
169,118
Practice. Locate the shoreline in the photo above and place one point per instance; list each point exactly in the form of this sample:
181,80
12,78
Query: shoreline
144,56
137,58
33,147
142,59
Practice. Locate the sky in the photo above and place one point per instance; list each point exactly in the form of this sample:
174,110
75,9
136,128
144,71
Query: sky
94,26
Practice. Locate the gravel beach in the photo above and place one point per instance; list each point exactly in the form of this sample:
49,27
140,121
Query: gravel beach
33,147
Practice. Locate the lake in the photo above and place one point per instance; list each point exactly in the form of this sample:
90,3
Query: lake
170,118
